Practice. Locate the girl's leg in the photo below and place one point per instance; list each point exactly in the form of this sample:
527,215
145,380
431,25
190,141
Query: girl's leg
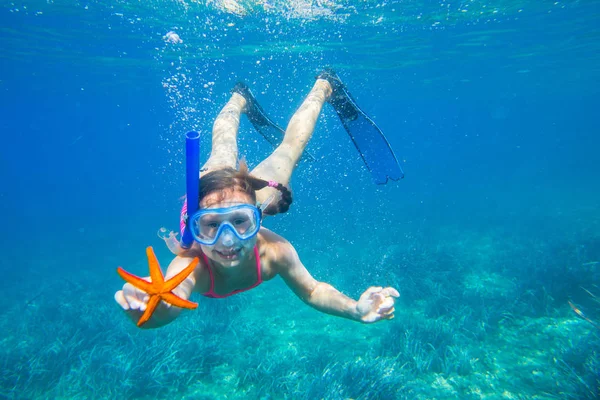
281,163
224,151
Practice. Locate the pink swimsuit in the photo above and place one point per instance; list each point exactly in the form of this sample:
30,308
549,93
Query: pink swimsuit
211,292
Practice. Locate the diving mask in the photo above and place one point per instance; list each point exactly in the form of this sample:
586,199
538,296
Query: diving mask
243,221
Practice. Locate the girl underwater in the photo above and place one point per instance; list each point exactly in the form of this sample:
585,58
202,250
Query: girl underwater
235,252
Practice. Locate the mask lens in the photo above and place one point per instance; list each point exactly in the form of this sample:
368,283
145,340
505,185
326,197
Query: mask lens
242,222
208,225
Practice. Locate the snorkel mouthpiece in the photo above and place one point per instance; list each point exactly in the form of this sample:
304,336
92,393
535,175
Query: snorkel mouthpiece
192,177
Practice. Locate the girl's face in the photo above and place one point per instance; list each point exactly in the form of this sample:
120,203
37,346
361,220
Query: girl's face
229,250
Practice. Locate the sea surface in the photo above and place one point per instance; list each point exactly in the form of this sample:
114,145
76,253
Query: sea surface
492,238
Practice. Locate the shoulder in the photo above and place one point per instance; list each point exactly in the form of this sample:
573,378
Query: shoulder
199,278
184,258
276,250
179,263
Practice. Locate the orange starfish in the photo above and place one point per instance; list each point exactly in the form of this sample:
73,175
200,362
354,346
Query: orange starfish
158,289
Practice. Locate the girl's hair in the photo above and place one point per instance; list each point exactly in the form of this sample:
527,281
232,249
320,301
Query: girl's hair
229,178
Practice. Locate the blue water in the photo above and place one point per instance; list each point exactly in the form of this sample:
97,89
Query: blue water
490,106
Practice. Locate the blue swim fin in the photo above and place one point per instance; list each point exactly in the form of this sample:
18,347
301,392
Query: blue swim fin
368,139
260,121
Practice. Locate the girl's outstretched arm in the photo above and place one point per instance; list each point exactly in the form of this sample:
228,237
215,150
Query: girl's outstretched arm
375,304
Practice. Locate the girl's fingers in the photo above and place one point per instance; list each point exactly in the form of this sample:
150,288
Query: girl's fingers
387,311
387,303
120,299
390,291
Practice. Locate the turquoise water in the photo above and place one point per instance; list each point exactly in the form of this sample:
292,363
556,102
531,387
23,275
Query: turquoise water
491,106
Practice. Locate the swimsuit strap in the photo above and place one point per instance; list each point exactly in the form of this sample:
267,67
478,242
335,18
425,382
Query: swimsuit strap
211,291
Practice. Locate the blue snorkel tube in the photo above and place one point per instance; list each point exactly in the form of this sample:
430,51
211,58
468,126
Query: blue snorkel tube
192,182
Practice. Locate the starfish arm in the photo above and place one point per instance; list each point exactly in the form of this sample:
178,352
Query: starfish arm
155,272
150,307
172,298
136,281
181,276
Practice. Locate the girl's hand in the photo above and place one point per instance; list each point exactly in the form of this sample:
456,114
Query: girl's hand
132,298
134,301
377,303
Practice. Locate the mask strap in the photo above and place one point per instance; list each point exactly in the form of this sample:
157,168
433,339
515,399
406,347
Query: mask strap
266,204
